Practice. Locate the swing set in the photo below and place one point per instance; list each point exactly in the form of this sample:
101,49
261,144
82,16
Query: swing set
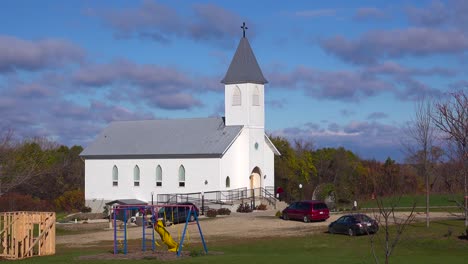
154,216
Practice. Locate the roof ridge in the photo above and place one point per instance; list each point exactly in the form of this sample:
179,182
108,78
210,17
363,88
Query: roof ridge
165,119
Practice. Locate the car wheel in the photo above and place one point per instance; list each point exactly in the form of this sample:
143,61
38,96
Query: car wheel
331,231
285,216
192,218
350,232
306,219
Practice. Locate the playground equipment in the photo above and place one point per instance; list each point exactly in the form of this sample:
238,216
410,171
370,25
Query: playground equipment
166,236
27,234
122,213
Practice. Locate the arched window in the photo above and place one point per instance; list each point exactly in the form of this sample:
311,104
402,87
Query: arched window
181,176
256,97
158,176
236,96
115,176
136,176
228,182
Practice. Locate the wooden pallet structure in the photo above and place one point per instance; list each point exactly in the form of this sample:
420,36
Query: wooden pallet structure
26,234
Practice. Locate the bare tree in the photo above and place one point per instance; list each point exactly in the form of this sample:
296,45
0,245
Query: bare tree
5,147
386,218
451,117
386,214
420,132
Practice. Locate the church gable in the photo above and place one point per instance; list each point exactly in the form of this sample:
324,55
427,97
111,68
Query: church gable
272,146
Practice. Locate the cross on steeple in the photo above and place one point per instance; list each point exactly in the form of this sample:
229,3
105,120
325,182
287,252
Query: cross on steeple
244,28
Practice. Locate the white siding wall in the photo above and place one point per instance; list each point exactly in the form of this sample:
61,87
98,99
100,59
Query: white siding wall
256,135
269,166
245,114
235,163
98,179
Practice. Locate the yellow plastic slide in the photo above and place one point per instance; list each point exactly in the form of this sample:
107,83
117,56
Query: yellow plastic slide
166,237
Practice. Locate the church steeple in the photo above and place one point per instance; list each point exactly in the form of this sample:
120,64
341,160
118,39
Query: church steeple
244,67
244,89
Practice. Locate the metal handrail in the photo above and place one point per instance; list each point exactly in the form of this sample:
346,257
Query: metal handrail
219,197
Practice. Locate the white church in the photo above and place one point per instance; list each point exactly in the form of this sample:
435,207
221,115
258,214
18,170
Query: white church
139,159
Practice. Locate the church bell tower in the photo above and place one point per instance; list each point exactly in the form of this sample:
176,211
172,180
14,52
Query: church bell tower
244,97
244,89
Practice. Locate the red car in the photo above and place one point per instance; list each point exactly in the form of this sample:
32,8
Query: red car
307,211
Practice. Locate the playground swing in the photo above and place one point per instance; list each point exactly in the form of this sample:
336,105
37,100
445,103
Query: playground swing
179,228
173,226
158,226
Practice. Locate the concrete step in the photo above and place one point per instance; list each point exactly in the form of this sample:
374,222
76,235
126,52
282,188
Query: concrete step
280,206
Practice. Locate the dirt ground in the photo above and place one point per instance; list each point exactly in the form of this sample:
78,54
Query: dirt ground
259,224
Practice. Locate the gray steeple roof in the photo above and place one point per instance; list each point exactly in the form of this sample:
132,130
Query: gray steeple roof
244,67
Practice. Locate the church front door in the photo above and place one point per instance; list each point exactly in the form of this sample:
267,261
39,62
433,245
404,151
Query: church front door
255,181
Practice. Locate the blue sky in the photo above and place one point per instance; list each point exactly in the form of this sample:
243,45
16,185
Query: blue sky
341,73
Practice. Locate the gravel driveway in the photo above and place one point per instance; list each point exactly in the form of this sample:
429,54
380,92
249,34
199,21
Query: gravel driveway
237,225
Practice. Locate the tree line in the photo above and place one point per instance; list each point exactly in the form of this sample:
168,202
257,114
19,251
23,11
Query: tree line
340,173
39,174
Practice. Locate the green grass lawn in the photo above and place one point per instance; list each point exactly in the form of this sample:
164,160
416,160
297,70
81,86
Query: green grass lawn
438,244
436,200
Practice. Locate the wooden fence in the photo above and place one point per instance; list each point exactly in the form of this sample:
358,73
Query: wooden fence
26,234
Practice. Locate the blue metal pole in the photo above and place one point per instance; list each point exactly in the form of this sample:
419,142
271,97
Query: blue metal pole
201,234
153,221
125,231
143,247
181,242
115,230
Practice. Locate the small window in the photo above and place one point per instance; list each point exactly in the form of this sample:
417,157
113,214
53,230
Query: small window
181,176
136,176
158,176
236,97
256,97
115,176
228,182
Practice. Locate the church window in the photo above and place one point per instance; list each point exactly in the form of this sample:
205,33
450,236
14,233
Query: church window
115,176
256,97
228,182
236,97
136,176
158,176
181,176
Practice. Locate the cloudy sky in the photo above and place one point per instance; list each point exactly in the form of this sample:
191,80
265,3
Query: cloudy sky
341,73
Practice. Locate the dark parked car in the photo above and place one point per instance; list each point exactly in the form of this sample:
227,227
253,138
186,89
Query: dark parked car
177,214
307,211
354,224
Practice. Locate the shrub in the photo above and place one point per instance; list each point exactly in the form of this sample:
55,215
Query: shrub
86,209
244,208
212,213
70,201
278,214
21,202
224,211
261,207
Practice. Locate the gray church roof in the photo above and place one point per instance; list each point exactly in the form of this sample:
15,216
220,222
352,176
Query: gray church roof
244,67
197,137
